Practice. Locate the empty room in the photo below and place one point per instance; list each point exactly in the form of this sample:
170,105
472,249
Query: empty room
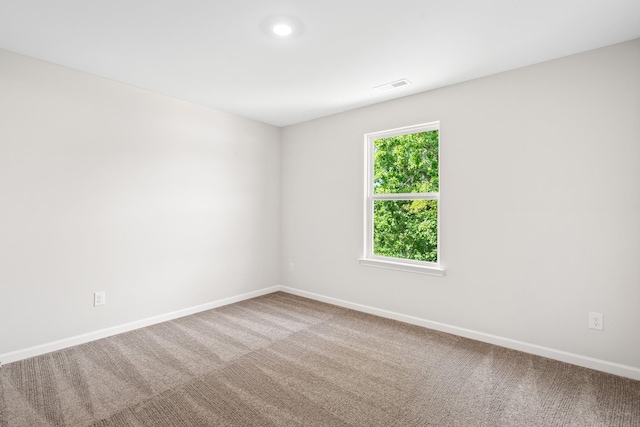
319,213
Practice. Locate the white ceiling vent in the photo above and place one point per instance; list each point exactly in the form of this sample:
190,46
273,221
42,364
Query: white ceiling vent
393,85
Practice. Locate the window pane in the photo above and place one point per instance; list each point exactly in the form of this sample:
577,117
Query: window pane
406,164
406,229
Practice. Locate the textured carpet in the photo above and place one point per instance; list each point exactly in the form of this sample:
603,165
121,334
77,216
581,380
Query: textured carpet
282,360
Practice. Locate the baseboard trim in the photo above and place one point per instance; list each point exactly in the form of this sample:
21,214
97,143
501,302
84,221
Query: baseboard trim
563,356
107,332
574,359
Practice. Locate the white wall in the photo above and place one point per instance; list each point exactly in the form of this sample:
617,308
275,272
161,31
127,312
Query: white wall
540,203
161,203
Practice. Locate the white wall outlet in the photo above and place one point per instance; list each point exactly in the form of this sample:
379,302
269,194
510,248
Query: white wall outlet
99,298
596,321
292,267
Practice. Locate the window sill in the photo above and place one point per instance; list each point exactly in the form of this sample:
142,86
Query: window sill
401,266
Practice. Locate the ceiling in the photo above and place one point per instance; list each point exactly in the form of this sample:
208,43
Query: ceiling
216,53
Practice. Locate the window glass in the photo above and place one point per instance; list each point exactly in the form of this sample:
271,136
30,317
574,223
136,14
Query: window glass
406,229
406,163
402,204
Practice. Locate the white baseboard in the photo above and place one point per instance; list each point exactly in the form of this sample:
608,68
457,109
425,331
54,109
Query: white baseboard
574,359
103,333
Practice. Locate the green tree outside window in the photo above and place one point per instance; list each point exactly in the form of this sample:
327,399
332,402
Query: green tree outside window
406,165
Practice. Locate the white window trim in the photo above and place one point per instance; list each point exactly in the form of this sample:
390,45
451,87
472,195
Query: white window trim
369,259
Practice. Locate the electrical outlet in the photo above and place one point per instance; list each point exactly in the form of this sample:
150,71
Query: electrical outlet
292,267
596,321
99,298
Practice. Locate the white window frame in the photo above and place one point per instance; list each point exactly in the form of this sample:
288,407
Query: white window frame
401,264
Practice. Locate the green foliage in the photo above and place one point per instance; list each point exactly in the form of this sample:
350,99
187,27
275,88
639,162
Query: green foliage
406,163
406,228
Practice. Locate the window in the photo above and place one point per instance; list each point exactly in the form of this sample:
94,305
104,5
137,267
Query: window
402,199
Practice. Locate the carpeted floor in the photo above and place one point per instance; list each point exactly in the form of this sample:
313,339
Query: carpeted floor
282,360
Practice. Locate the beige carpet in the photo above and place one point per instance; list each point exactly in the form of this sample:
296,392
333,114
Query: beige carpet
281,360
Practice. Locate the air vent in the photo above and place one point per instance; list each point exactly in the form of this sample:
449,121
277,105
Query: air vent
393,85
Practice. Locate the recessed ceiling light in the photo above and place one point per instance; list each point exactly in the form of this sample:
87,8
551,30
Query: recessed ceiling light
282,30
282,26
